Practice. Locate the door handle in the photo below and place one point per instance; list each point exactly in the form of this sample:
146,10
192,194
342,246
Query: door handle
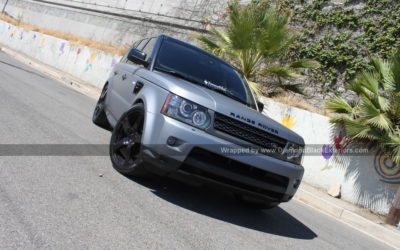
123,76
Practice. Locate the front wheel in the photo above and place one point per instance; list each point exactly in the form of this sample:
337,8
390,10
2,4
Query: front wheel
125,144
99,115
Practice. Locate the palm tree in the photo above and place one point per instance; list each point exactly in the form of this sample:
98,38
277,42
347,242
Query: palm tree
374,117
255,38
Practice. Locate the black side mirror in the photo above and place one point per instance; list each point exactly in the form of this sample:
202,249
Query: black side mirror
138,57
260,106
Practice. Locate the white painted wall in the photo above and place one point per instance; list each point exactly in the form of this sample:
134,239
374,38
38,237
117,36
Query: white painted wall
90,65
360,184
356,174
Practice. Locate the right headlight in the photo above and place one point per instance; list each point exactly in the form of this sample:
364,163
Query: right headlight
186,111
293,152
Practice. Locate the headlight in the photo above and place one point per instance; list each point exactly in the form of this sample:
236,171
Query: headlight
186,111
293,152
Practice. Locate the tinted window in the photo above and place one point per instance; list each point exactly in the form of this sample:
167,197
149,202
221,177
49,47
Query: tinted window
142,44
149,48
203,69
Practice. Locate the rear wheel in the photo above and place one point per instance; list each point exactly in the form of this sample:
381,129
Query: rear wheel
99,115
256,203
125,145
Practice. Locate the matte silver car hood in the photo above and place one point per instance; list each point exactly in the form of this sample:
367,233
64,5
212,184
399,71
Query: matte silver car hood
220,103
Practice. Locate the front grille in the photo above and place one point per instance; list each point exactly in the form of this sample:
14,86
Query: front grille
247,132
216,165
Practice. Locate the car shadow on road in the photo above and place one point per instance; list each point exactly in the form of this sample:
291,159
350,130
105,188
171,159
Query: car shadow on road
223,206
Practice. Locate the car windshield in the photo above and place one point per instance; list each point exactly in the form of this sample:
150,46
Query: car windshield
200,68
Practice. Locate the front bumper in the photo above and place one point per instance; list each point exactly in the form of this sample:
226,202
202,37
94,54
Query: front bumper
196,153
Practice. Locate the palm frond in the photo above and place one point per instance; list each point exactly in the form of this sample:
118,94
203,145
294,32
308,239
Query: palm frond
383,70
373,116
396,71
295,88
341,106
305,64
256,87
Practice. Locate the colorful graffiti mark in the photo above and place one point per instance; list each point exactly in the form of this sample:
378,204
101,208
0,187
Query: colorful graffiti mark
113,62
13,33
327,153
42,43
79,51
3,29
89,62
61,49
340,142
288,121
387,171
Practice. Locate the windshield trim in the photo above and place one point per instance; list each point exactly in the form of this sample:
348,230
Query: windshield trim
249,103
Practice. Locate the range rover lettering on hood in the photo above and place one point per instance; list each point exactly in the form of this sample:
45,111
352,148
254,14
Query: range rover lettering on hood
258,124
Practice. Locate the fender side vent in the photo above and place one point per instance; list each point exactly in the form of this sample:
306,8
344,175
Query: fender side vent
138,86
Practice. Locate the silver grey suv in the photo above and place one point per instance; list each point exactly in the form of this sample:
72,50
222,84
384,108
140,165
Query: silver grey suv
177,110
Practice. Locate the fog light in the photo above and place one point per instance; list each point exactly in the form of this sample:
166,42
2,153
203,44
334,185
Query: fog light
171,141
296,184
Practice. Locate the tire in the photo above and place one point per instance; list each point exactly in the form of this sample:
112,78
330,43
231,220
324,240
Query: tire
125,144
255,203
99,115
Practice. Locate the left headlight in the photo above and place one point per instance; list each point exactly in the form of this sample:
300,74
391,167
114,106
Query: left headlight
186,111
293,153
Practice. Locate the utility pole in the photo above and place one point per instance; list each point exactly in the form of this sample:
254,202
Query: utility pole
4,7
393,217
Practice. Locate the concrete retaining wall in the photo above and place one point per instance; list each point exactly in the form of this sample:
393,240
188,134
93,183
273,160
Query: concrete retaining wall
118,22
356,174
361,175
90,65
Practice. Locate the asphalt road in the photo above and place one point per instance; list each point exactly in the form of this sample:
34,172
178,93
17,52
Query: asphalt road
61,202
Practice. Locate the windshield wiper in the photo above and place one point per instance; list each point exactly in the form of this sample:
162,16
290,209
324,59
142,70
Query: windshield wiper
228,94
177,74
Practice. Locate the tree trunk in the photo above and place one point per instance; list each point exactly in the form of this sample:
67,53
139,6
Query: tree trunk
393,217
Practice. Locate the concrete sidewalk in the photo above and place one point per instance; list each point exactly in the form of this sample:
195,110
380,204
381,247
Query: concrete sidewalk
359,218
354,216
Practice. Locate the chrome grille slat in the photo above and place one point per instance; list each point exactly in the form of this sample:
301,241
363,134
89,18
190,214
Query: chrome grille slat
247,132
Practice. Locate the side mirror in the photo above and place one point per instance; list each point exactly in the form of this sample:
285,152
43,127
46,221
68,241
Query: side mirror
260,106
138,57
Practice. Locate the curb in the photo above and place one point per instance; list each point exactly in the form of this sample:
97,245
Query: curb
385,234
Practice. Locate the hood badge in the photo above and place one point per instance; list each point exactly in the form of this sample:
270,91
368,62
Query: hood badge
252,122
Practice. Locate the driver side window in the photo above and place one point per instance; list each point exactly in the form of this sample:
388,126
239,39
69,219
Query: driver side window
139,45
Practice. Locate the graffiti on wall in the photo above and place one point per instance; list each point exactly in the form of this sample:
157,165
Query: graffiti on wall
61,49
387,171
113,62
327,153
89,62
288,121
42,43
